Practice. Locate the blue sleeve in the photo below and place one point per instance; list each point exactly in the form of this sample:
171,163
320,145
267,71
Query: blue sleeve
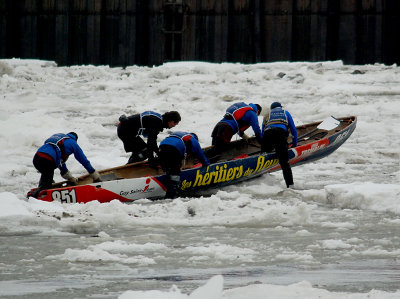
292,128
63,168
197,150
254,124
70,147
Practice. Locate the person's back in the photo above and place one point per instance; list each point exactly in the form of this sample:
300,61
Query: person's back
186,143
141,124
173,150
237,119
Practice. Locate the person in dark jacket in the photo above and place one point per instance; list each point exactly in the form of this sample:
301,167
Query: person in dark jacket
276,128
173,150
237,119
54,153
147,124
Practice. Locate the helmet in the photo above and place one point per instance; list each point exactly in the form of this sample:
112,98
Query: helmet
275,105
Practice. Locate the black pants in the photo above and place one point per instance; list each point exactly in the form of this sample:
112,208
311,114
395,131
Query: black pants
171,163
133,144
221,137
276,139
46,168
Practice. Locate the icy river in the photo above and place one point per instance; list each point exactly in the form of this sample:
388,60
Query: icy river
336,236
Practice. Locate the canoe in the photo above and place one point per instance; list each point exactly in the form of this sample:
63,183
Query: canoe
242,161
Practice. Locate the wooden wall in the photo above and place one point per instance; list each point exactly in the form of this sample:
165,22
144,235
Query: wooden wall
150,32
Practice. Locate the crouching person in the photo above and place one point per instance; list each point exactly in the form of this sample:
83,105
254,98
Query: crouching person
147,124
237,119
54,153
173,150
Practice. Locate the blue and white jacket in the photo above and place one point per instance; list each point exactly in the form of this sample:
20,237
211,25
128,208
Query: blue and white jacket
280,118
60,146
179,140
240,117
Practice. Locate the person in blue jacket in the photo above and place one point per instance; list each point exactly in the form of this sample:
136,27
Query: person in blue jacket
276,128
237,119
54,153
147,124
173,150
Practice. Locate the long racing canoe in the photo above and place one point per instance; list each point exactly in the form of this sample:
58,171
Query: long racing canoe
242,161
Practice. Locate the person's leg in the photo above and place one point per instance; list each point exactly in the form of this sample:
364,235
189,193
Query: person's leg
46,168
126,138
214,153
282,153
221,137
139,150
132,144
171,162
267,141
172,186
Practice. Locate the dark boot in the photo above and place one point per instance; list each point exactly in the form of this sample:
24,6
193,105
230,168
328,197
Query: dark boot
172,186
33,193
287,174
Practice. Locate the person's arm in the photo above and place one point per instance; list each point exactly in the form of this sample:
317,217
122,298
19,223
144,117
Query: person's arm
292,128
153,126
255,125
198,151
152,142
72,147
80,156
63,169
66,174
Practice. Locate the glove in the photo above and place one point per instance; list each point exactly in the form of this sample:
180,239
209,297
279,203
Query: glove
95,176
245,137
68,176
